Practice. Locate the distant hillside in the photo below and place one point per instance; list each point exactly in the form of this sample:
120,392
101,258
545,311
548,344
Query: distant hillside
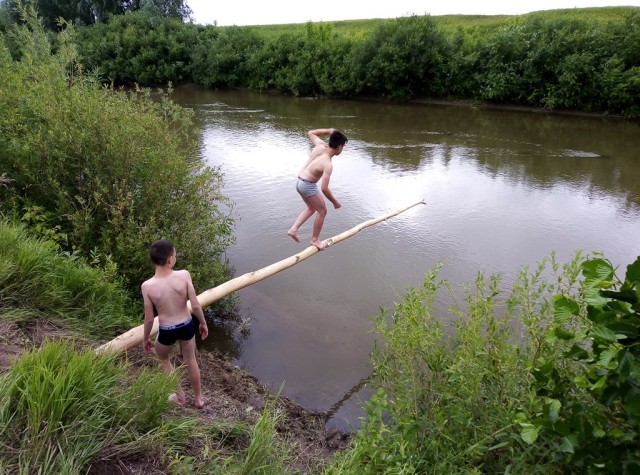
454,22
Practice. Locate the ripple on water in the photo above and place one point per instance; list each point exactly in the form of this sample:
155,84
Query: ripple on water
580,154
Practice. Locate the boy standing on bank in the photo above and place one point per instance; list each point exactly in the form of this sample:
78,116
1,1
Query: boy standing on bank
168,291
318,167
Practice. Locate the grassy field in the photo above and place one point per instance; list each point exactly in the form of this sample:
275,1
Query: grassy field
453,23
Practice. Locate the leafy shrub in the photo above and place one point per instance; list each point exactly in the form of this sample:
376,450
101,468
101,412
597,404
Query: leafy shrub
552,61
220,59
445,403
583,59
137,48
117,170
544,381
588,373
403,58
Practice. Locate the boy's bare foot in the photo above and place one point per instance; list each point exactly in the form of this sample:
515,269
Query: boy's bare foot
180,400
294,235
199,402
319,244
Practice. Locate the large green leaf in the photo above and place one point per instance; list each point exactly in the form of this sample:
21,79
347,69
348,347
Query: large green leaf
632,403
600,383
577,353
597,270
607,358
625,361
529,433
599,316
629,296
603,333
564,308
566,445
633,273
563,334
634,368
628,328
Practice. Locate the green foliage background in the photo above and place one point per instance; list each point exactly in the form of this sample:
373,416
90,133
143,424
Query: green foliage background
581,59
111,171
89,12
542,378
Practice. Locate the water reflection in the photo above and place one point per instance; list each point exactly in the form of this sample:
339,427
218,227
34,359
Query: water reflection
503,189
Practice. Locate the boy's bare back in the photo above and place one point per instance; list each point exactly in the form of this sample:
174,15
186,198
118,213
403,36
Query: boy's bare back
318,164
169,294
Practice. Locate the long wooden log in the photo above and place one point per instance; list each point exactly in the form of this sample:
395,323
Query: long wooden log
134,336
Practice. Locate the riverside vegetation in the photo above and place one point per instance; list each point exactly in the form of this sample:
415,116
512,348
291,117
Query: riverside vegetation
100,172
540,378
580,59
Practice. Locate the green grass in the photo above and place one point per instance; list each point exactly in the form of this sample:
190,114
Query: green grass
61,407
267,453
38,282
64,409
452,23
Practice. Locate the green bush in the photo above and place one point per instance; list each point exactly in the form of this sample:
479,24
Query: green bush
116,170
136,48
582,59
220,59
544,379
587,374
557,62
444,403
402,58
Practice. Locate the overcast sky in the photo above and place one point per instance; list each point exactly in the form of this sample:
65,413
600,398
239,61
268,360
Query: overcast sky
271,12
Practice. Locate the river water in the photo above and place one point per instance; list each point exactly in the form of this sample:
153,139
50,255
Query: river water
502,189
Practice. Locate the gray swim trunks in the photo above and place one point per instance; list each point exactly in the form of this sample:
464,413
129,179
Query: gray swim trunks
306,187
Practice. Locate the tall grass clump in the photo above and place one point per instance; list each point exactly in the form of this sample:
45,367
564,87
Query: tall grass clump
112,171
258,450
64,410
38,282
478,395
267,452
61,408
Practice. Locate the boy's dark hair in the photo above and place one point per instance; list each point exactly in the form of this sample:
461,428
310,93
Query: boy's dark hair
337,138
160,251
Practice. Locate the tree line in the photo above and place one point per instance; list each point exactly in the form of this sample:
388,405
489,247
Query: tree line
559,60
89,12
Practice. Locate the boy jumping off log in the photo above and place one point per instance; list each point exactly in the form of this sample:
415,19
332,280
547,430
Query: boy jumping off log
318,167
168,291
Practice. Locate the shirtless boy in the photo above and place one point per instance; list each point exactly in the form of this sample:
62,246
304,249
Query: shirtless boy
168,291
318,167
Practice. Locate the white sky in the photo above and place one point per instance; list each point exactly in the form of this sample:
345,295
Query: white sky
272,12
